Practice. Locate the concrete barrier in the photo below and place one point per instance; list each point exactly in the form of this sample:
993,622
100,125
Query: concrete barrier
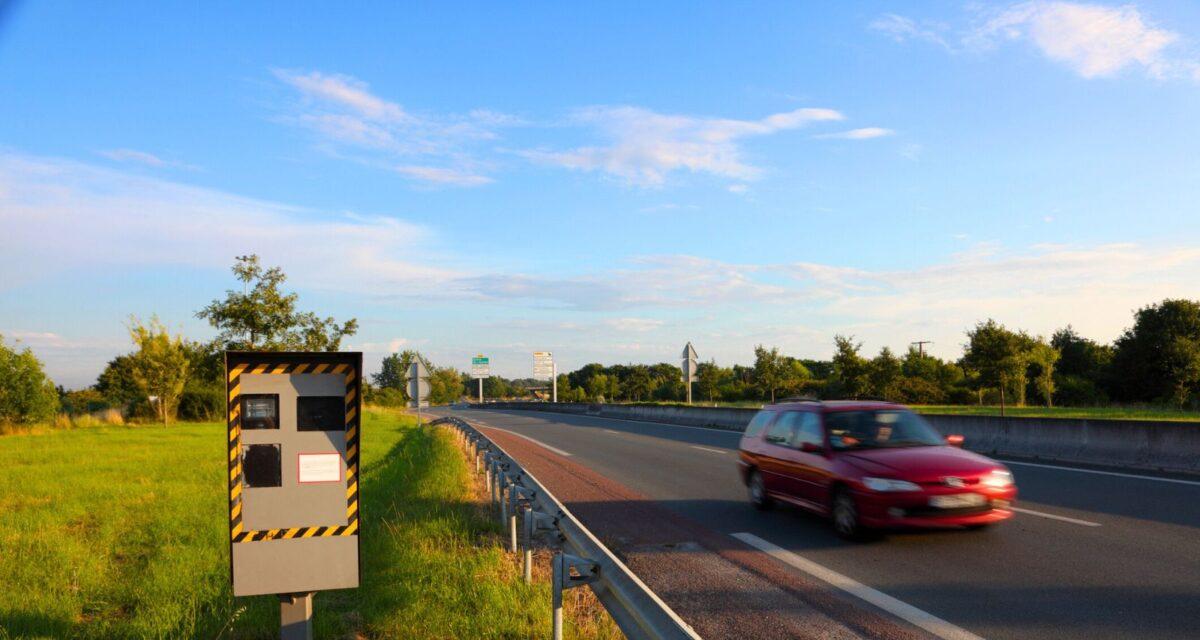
1128,444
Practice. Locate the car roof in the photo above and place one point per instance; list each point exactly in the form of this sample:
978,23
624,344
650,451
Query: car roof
832,405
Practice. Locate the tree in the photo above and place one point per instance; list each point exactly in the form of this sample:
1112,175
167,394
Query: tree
117,384
768,370
261,317
1042,357
1150,361
997,356
392,372
708,376
27,396
445,385
850,370
637,384
1084,372
794,376
159,366
1183,368
884,372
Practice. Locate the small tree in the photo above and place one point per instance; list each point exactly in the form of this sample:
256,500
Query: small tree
1043,357
159,366
768,370
850,370
884,373
708,377
1183,368
996,355
262,317
27,396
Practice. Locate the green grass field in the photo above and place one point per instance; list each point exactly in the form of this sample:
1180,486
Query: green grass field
121,532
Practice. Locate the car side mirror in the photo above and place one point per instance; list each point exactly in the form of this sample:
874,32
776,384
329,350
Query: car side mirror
809,447
954,440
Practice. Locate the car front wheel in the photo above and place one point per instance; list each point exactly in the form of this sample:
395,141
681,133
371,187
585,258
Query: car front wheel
758,492
845,516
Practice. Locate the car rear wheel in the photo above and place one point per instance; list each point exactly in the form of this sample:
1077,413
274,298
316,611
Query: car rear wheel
845,516
758,492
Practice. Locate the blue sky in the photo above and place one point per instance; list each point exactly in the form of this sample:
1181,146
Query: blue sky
605,182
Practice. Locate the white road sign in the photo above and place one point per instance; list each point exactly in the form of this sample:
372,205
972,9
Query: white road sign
481,367
543,365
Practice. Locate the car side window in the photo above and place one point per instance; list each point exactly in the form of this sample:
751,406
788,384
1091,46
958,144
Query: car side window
781,432
758,423
809,431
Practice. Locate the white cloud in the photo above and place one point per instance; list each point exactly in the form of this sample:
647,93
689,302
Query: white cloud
343,111
1092,40
141,157
865,133
61,215
901,29
739,188
441,175
633,325
643,147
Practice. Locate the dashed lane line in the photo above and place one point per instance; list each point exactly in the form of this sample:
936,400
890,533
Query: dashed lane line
1051,516
898,608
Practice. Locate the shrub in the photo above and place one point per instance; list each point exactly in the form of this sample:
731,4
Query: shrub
27,396
201,401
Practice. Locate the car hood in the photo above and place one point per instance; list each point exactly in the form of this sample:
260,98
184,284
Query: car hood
920,464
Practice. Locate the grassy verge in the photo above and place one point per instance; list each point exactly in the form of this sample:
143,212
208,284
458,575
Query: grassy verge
120,532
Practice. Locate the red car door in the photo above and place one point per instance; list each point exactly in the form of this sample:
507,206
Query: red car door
778,462
812,466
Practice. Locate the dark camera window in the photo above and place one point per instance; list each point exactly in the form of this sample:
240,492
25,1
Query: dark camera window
260,411
261,465
320,413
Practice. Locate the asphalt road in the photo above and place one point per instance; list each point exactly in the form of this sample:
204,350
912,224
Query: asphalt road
1104,556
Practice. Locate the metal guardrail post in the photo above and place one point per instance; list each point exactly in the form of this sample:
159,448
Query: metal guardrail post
535,521
561,569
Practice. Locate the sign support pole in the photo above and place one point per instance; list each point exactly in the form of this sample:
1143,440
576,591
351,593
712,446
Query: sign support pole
295,616
481,391
554,384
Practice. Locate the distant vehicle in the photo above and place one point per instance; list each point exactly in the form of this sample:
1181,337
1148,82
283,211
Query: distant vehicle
870,465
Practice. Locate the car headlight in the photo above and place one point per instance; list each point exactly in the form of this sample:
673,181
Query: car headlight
998,479
887,484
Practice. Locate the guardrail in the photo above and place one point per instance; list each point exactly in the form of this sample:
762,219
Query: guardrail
518,496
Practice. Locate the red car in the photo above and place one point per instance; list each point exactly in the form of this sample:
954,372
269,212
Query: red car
870,465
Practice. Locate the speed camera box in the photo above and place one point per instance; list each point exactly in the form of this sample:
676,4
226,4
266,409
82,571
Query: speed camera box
293,453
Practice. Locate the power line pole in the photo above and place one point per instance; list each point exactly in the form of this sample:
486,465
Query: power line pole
921,346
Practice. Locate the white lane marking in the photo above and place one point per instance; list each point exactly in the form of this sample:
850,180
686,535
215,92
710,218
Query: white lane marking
611,431
709,449
1102,473
902,610
1042,514
537,442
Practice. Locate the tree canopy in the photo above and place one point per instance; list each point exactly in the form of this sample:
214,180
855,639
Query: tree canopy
263,317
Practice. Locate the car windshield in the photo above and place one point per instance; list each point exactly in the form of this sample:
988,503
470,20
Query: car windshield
877,429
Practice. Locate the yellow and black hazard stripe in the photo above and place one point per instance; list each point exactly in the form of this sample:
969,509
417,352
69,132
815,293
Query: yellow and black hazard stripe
236,531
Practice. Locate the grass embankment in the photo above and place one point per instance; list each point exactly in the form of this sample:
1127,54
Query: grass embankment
1092,413
121,532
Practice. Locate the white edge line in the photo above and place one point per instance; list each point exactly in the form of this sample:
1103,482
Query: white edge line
902,610
1051,516
1101,473
709,449
537,442
611,431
